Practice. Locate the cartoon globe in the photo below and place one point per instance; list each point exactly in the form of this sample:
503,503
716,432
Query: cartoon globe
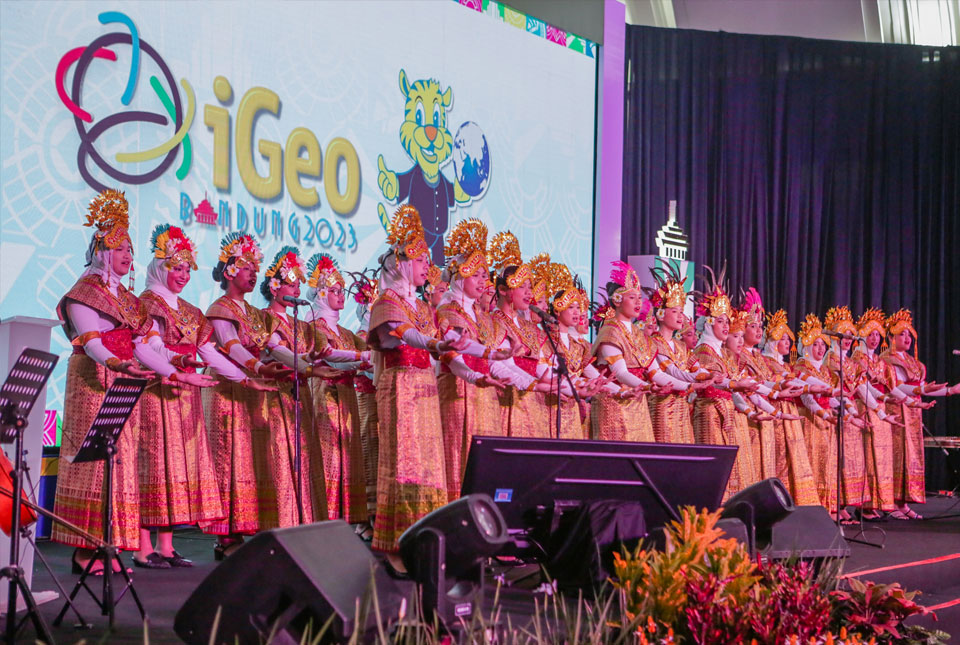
471,159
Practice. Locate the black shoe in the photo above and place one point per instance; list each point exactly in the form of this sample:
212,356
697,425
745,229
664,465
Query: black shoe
153,561
177,560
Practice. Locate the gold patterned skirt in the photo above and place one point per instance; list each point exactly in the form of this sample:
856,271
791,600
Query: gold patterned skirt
714,422
525,413
239,437
763,443
670,416
749,449
281,453
878,451
793,464
621,419
853,480
178,483
821,439
338,424
369,438
909,484
80,491
571,427
466,411
411,480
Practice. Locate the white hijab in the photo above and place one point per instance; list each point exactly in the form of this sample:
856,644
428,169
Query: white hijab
157,274
100,264
770,349
707,337
397,275
456,294
320,309
808,355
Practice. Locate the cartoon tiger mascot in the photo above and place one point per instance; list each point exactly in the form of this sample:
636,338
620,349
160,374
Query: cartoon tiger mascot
428,142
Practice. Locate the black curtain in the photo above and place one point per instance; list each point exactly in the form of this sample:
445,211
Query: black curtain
822,172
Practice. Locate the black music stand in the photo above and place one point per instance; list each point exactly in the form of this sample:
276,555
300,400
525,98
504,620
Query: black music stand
17,397
100,444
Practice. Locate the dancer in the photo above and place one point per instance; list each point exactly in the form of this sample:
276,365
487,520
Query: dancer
178,482
713,411
335,401
792,461
910,377
237,427
411,481
100,318
365,289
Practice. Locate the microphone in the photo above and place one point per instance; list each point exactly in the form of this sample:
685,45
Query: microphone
296,302
543,314
841,335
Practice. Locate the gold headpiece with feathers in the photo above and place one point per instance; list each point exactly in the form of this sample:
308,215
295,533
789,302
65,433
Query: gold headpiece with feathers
562,288
902,320
467,247
669,291
109,213
406,232
713,301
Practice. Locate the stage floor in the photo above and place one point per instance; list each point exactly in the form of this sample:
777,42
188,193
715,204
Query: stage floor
920,555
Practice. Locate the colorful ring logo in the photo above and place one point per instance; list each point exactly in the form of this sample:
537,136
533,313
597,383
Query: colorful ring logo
83,56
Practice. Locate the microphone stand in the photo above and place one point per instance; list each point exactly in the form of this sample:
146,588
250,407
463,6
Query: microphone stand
562,372
840,460
296,417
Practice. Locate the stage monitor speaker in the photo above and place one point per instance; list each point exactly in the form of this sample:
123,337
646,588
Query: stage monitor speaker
290,582
808,533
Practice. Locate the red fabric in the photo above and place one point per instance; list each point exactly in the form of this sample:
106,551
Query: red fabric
364,385
343,379
406,356
637,371
716,393
475,363
824,402
185,350
118,341
527,364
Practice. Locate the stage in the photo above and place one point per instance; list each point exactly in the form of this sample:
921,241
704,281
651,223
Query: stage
920,555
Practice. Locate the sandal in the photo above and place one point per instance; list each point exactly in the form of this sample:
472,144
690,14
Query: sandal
897,515
223,550
913,515
177,560
365,532
153,561
78,569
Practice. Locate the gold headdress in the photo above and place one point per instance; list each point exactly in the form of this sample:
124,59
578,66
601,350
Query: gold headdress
563,289
811,330
434,277
752,307
669,291
323,272
713,301
540,268
109,213
872,320
840,319
467,247
738,321
170,244
406,233
505,253
777,326
245,251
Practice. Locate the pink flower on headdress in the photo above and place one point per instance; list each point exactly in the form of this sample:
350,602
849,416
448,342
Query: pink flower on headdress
752,301
645,308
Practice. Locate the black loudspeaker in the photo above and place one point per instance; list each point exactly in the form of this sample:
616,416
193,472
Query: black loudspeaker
291,582
808,533
583,539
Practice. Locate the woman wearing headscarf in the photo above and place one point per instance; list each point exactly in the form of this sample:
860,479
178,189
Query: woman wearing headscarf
178,483
235,414
100,318
335,396
411,481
